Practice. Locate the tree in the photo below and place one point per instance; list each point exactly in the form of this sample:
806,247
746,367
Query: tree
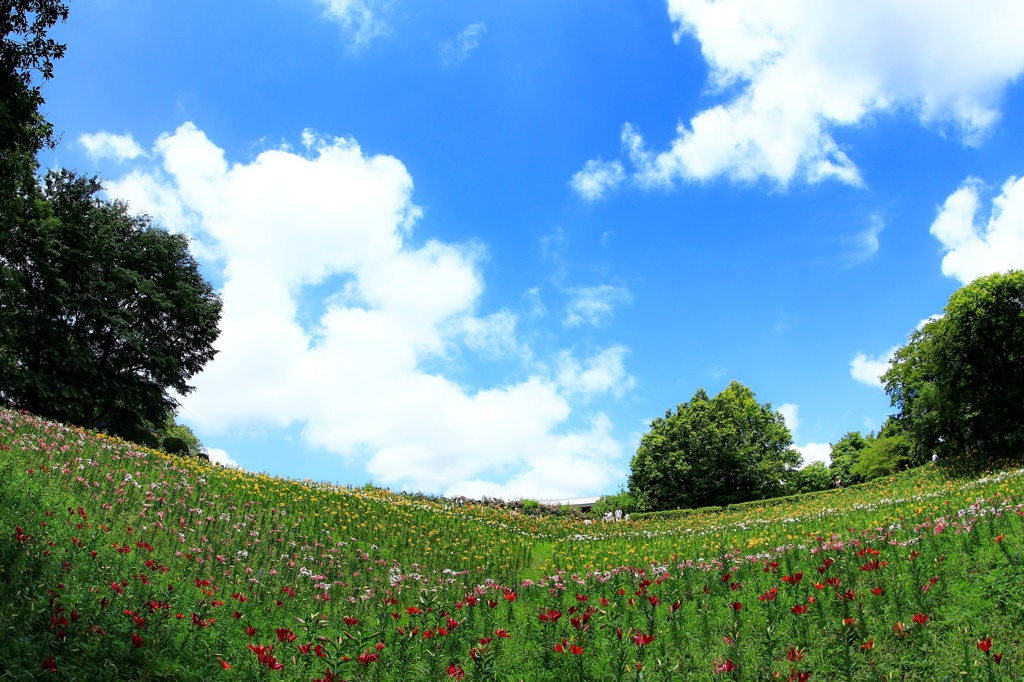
846,453
26,55
912,389
102,315
959,382
713,451
812,478
178,438
883,456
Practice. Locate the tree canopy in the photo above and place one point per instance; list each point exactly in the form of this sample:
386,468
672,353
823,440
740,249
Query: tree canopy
26,56
846,453
102,315
713,451
959,382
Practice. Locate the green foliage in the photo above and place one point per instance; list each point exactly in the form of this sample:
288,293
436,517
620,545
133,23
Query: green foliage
814,476
711,452
175,446
568,511
26,55
622,500
531,506
910,383
845,454
668,514
959,382
884,456
102,315
171,430
777,501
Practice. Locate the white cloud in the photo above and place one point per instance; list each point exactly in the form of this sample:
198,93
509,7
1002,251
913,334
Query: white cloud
359,18
597,177
218,456
604,372
790,72
594,305
577,464
534,303
285,223
455,51
866,243
868,370
493,336
815,452
103,145
812,452
791,413
973,249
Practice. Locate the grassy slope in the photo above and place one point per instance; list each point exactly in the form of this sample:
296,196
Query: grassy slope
120,563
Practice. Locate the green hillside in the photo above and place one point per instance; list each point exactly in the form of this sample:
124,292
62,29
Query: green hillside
123,563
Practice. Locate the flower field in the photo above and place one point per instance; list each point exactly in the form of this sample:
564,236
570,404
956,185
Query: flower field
122,563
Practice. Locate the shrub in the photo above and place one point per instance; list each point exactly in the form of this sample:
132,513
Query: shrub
885,456
176,446
674,513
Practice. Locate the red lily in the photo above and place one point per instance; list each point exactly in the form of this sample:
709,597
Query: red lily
640,639
726,666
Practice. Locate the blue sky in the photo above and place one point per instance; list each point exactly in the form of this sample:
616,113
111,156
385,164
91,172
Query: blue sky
475,247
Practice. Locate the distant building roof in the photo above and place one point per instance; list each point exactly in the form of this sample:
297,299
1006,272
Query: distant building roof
572,501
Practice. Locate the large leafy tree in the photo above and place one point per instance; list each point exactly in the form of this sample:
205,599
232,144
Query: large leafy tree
845,455
813,477
103,317
27,56
959,382
713,451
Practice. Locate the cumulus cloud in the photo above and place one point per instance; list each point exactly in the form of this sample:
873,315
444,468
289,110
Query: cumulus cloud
868,370
602,373
360,19
284,224
585,458
791,413
597,177
103,145
455,51
221,457
974,248
815,452
788,74
811,452
594,305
